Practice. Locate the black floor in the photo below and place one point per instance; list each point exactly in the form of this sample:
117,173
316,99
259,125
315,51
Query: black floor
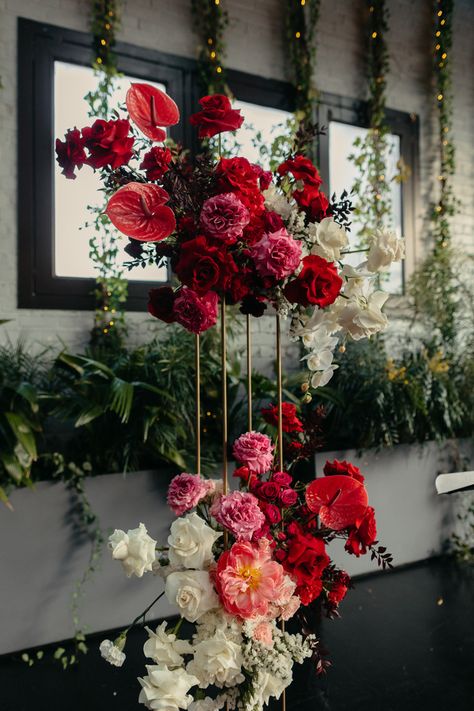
405,643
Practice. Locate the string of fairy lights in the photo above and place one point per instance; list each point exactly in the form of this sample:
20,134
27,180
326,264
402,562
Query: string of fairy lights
210,19
301,17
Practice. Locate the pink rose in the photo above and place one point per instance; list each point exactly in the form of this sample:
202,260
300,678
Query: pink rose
185,492
277,254
255,450
195,313
224,217
263,633
282,478
240,513
288,497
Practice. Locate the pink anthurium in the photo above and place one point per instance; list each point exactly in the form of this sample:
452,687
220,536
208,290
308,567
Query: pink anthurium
150,109
139,211
339,500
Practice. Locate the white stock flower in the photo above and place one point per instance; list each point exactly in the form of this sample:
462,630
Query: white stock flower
190,542
134,549
111,653
386,248
330,239
218,619
192,592
165,648
362,316
166,690
277,202
218,661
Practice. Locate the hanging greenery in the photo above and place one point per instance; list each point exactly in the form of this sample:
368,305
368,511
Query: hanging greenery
434,286
210,20
111,288
301,17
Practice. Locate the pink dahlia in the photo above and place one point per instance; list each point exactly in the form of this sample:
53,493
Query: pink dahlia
255,451
186,491
240,513
195,313
224,217
248,581
277,254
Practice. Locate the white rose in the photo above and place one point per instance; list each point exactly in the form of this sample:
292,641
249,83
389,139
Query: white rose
134,549
165,648
385,249
111,653
166,690
190,542
218,661
331,238
192,592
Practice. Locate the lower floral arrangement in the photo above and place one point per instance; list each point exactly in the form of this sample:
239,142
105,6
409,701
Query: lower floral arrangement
240,564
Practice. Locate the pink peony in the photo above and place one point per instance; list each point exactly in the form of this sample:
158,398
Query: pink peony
224,217
248,580
255,450
240,513
195,313
185,492
277,254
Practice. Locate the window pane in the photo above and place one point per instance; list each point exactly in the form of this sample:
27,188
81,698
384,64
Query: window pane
258,119
71,243
342,175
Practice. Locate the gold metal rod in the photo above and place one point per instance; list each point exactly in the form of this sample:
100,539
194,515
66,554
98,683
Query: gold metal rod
224,395
279,392
197,362
249,372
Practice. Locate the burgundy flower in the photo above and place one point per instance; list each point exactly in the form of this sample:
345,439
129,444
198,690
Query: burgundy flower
108,143
317,283
196,313
336,467
203,266
216,116
70,153
290,421
156,162
301,168
161,303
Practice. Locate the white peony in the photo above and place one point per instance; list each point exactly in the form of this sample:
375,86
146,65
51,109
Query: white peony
166,690
190,542
134,549
165,648
386,248
218,661
192,592
362,316
331,238
111,653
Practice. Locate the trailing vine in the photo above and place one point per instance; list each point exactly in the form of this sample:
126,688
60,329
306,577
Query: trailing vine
111,288
301,18
210,20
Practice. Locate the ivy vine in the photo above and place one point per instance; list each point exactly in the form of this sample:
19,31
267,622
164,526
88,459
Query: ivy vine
210,20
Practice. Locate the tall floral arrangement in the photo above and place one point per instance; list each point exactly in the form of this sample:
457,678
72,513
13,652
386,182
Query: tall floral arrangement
238,562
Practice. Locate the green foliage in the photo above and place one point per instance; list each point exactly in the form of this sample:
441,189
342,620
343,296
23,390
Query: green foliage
210,20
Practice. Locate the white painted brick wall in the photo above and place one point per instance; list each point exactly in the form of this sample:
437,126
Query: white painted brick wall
254,45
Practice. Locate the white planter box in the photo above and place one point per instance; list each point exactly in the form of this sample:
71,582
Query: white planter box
413,521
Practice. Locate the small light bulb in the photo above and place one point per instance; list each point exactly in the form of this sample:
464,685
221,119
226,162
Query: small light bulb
440,12
297,35
213,55
440,97
443,22
374,35
444,55
219,70
438,34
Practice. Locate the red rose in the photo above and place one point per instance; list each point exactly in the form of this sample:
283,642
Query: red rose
272,221
336,467
282,478
288,497
313,202
302,169
238,287
70,153
156,162
339,587
363,535
202,266
161,303
308,592
216,116
272,513
239,176
290,421
305,561
108,143
255,230
264,177
242,473
268,490
317,283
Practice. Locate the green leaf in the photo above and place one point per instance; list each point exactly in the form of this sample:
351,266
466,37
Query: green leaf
88,415
22,432
28,392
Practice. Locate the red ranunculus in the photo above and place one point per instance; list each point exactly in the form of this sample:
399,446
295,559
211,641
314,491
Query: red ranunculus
317,283
216,116
150,109
202,266
314,202
339,500
290,421
363,535
161,303
108,143
139,211
239,176
156,162
70,153
301,168
336,467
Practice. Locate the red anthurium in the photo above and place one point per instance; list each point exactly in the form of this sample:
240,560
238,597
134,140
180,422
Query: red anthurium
150,109
139,211
340,500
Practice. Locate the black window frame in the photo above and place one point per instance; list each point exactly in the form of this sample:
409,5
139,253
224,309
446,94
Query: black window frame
39,46
332,107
